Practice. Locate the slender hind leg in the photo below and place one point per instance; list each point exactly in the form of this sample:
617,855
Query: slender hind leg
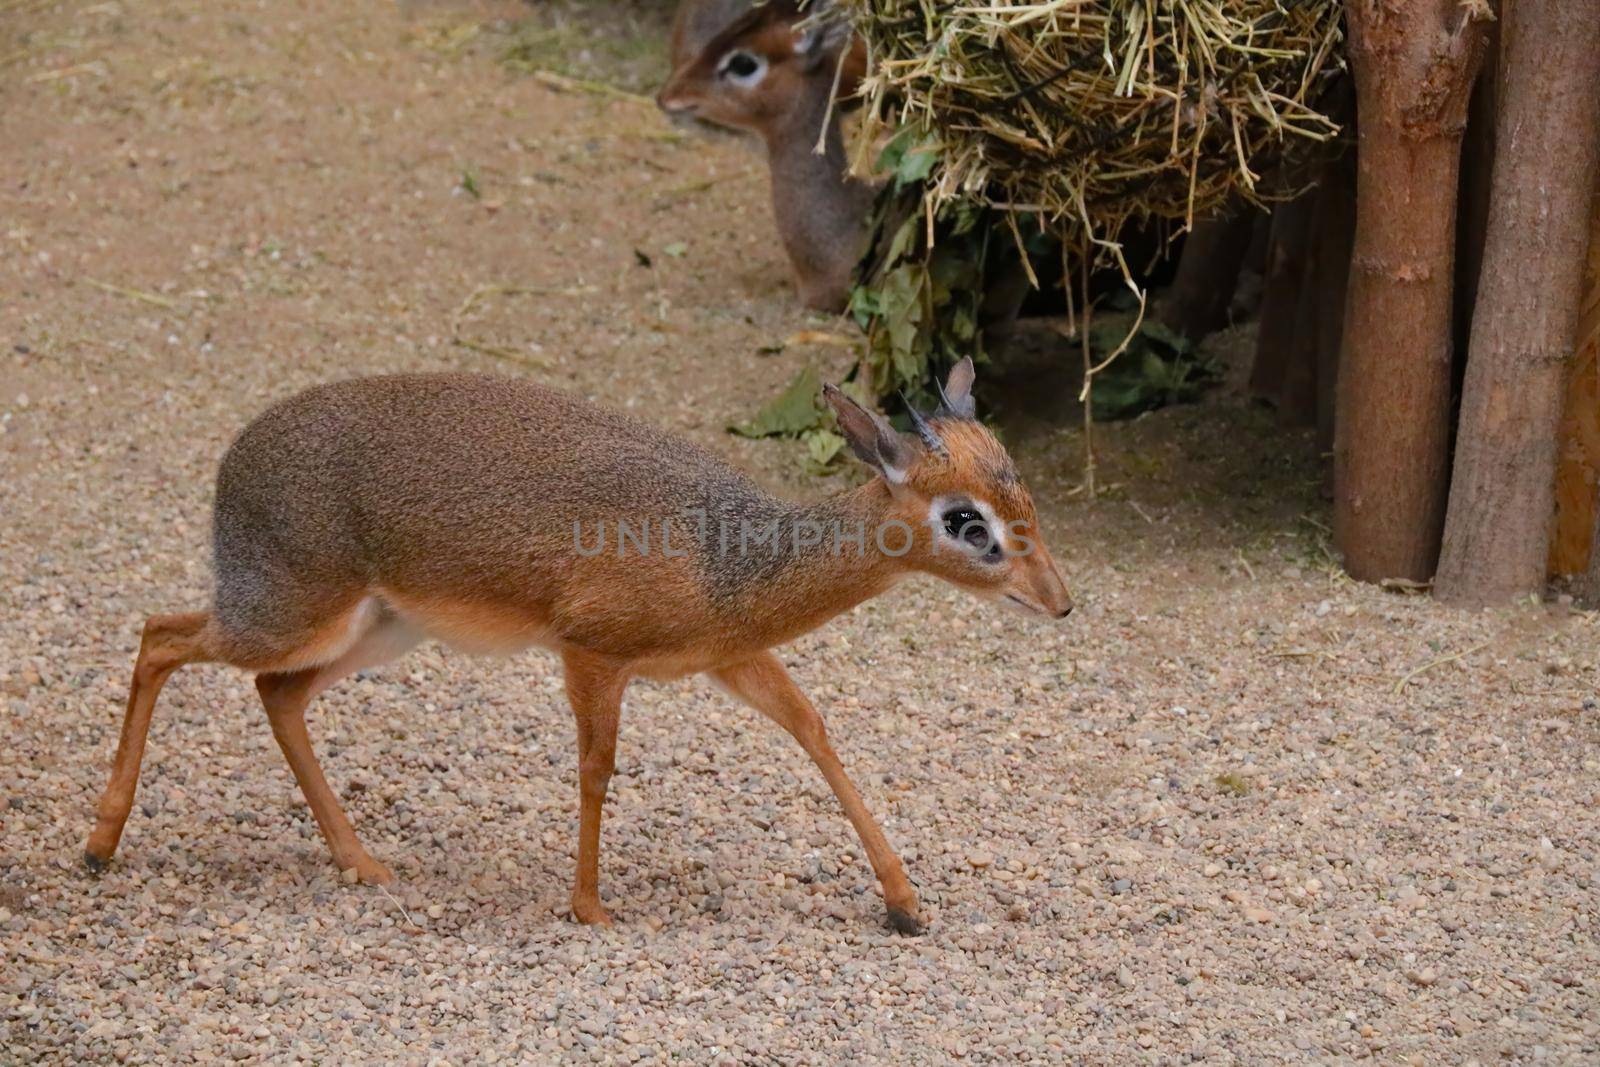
169,642
286,695
595,692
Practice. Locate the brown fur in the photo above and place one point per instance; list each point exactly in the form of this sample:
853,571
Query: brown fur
819,207
357,518
696,23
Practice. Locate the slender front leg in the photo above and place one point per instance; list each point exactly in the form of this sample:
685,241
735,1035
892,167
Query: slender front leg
594,689
762,683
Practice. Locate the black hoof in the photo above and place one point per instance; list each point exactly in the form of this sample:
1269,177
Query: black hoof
903,922
95,863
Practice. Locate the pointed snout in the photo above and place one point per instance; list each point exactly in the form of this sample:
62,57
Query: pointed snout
1057,601
671,100
1050,588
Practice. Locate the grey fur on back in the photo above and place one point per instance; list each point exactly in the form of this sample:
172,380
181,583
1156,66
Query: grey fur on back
442,482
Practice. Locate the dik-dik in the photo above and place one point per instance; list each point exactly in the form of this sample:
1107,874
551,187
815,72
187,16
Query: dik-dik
753,69
356,519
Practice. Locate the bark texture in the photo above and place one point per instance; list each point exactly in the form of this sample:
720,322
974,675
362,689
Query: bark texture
1502,500
1578,468
1414,63
1196,304
1279,339
1302,314
1477,179
1333,232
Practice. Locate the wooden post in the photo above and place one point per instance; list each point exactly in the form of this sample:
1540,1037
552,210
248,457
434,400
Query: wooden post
1414,62
1196,304
1502,498
1279,343
1333,233
1573,548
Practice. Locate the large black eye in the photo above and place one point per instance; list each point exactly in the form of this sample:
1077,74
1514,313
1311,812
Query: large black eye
741,66
967,526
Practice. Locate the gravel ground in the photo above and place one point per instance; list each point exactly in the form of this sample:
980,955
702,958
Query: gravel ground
1236,810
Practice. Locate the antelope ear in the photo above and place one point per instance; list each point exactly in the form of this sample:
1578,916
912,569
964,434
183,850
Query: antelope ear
821,40
870,437
957,391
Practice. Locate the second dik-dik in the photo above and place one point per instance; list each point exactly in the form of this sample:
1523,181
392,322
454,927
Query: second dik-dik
356,519
755,68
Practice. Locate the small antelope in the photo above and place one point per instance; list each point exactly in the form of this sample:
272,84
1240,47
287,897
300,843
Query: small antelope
356,519
759,73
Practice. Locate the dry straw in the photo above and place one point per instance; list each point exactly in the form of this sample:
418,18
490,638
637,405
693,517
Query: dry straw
1091,113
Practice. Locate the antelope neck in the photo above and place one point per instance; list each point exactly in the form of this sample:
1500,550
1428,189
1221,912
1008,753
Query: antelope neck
793,139
812,579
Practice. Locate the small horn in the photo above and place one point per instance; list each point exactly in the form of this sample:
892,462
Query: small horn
929,436
962,409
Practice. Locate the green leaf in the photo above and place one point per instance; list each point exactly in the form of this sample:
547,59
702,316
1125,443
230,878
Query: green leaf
904,238
1159,331
963,324
676,250
894,149
864,305
858,391
916,164
1122,300
962,217
910,155
823,450
947,267
797,409
1104,337
902,317
1158,368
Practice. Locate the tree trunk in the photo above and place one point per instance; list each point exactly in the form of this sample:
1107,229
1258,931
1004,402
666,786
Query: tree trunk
1297,401
1572,548
1414,62
1005,291
1278,343
1333,229
1197,303
1591,582
1477,180
1497,533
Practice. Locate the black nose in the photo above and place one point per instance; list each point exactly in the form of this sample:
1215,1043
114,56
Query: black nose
1065,612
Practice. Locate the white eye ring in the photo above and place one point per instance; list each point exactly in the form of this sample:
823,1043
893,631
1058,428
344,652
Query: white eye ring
993,547
742,68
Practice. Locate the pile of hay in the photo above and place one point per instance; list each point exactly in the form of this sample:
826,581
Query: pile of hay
1089,113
